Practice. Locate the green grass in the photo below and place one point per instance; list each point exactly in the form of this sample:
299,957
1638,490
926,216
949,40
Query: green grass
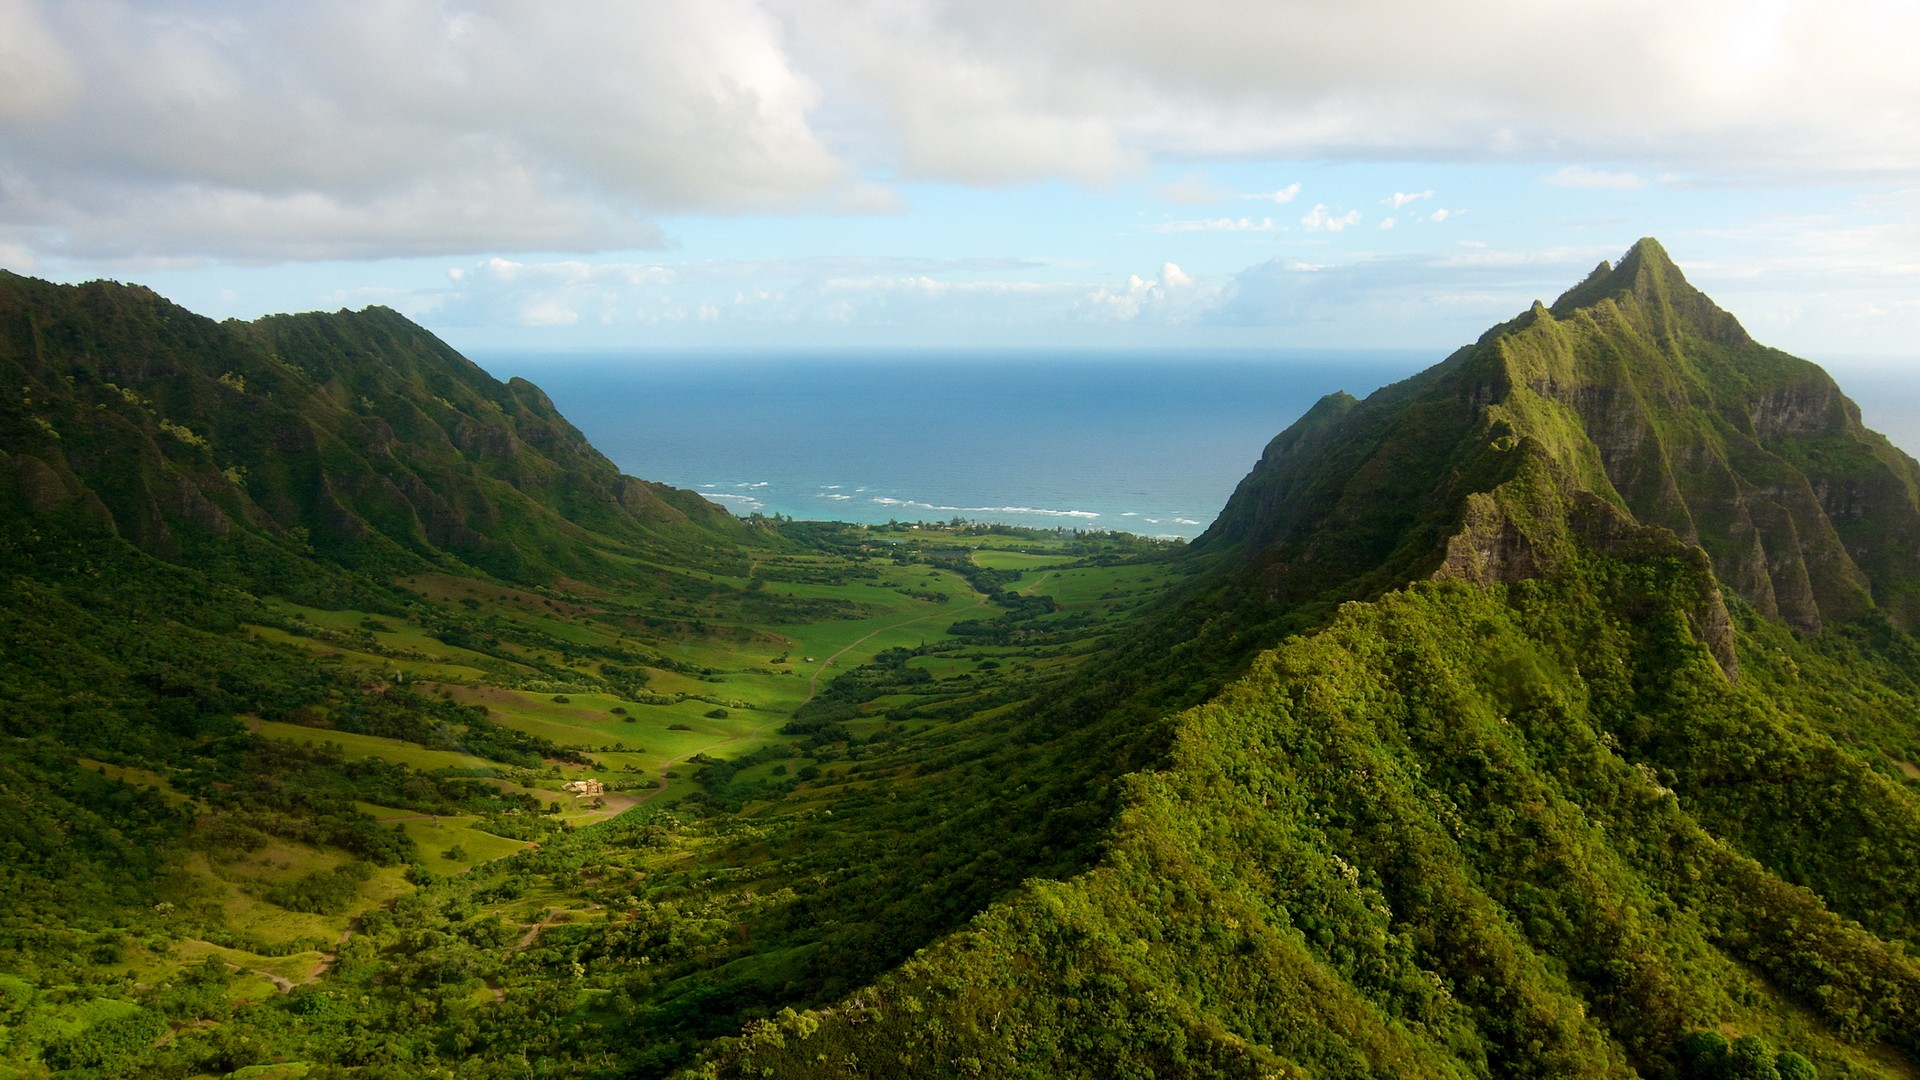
355,747
436,836
419,669
397,633
565,640
1001,559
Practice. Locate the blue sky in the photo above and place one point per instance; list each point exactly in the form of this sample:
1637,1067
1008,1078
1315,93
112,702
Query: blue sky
773,174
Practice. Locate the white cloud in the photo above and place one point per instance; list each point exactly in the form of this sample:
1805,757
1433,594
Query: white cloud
1398,301
1840,284
37,73
1171,297
1220,224
337,129
1319,219
1400,198
1284,195
231,129
1440,215
548,314
1193,189
17,258
1387,223
1715,87
1580,176
853,292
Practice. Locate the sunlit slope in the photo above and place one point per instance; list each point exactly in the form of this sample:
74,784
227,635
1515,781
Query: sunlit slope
1525,830
1632,400
1600,734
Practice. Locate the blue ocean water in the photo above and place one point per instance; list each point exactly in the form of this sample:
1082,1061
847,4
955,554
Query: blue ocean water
1150,444
1083,440
1888,393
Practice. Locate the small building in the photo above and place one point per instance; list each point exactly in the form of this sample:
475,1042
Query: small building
586,788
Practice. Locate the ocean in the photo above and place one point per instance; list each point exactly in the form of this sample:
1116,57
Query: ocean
1149,444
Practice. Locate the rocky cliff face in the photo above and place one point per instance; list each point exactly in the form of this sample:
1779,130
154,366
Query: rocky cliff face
1630,409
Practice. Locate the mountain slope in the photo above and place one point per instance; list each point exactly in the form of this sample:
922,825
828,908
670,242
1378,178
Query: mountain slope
1503,812
356,436
1633,400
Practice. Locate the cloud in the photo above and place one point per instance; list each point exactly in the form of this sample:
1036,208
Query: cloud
1580,176
1795,88
1844,284
37,73
1440,215
803,293
1398,301
1320,220
1220,224
1284,195
1400,198
332,129
925,97
1171,297
1193,189
336,129
1387,223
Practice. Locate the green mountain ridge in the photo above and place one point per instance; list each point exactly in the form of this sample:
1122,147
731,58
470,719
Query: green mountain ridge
1557,773
357,437
1549,713
1632,401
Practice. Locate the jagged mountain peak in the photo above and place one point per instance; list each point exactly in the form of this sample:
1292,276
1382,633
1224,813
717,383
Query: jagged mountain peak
1633,408
1646,277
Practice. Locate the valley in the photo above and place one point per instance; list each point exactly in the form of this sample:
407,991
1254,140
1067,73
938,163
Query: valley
1548,713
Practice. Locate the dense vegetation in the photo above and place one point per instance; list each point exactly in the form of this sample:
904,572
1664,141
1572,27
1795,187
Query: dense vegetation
1551,713
1526,830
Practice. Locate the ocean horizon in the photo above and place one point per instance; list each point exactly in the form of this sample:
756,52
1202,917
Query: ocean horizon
1147,442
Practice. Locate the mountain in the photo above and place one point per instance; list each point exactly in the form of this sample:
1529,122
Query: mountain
355,437
1551,713
1569,730
1632,403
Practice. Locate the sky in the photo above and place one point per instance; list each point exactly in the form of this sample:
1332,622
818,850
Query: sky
890,174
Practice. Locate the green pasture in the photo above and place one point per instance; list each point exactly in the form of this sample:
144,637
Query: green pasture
356,746
1003,559
374,662
230,891
140,778
924,622
656,733
395,633
435,836
1093,584
53,1020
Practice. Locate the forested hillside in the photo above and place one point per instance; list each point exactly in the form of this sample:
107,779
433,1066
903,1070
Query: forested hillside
357,438
1596,757
343,679
1552,713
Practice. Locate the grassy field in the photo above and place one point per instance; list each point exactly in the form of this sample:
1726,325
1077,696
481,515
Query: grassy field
355,747
373,663
648,692
1001,559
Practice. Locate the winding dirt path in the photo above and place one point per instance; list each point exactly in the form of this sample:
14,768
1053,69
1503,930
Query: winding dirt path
546,920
